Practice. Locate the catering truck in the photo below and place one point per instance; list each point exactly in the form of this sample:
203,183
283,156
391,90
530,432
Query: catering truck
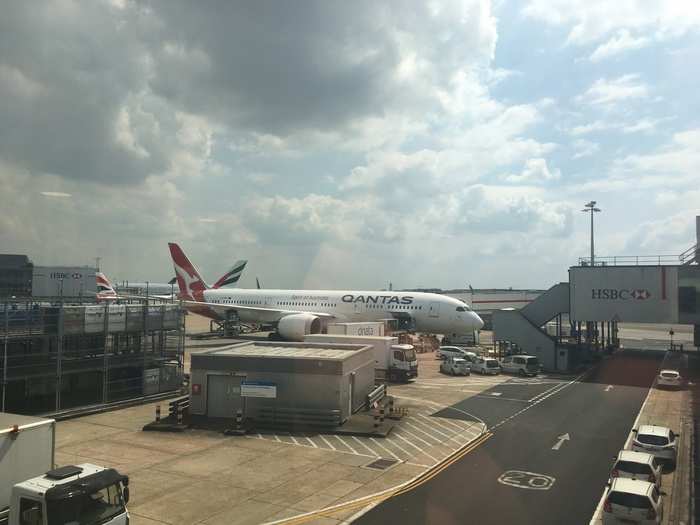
33,492
392,361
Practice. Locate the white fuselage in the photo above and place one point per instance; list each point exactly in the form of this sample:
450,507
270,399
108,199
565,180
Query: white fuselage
433,313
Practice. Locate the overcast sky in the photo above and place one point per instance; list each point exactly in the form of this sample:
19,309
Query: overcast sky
348,144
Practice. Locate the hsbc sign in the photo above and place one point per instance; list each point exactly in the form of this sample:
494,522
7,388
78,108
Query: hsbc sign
622,294
629,294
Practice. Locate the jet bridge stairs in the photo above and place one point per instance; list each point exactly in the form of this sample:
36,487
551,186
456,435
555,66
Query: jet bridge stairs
524,327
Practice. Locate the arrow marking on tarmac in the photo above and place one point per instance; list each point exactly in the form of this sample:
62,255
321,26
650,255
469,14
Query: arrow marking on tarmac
608,388
562,438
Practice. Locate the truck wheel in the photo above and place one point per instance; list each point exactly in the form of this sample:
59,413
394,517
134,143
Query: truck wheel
521,373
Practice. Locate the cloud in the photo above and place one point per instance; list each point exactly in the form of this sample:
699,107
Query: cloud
535,171
593,20
58,194
585,148
609,92
585,129
617,45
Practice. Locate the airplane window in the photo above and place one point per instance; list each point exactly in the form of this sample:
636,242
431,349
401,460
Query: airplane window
460,309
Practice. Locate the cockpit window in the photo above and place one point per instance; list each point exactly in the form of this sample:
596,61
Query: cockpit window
461,309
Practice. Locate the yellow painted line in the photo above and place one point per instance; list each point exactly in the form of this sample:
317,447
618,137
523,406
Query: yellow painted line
395,491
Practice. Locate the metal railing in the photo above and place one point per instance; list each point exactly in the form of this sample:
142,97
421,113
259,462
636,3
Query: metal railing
689,255
631,260
376,395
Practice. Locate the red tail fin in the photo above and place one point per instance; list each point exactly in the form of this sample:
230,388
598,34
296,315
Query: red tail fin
191,284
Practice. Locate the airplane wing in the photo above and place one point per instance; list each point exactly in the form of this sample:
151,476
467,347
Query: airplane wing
236,307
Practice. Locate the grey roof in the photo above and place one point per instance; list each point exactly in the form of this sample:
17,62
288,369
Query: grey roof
316,351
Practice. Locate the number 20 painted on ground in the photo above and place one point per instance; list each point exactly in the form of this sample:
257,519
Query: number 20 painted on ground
526,480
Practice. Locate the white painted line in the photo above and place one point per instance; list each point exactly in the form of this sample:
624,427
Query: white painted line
414,446
259,435
496,393
347,445
415,425
293,438
382,446
608,388
390,440
327,442
373,452
277,438
312,443
438,423
562,438
429,435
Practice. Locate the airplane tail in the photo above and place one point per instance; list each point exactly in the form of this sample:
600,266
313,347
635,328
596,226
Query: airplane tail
189,280
232,276
105,290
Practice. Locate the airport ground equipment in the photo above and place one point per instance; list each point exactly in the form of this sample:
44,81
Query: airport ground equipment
32,491
392,361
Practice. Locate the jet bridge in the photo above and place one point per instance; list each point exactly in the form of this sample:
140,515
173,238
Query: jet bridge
526,328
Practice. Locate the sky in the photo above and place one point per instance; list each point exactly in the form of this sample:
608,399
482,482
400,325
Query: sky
349,144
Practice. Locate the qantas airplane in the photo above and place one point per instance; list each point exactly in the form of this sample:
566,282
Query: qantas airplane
300,312
107,292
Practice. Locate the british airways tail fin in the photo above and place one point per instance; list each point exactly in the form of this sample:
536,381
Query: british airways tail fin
105,290
189,280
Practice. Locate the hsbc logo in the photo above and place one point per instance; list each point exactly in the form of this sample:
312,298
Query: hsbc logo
623,294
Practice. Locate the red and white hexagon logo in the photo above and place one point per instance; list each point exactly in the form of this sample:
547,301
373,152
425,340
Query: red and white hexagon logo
640,295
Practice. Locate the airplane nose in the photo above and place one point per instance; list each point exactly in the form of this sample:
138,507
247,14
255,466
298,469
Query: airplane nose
478,322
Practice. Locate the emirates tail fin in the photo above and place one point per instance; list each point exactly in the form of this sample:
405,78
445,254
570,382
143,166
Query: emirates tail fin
232,276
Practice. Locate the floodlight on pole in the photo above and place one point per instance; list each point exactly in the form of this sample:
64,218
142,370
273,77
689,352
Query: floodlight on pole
591,208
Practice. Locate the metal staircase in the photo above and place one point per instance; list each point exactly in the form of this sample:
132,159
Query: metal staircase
524,327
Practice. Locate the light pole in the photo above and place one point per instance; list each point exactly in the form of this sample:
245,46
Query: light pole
590,208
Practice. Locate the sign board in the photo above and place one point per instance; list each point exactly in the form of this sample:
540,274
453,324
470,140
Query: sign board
258,389
640,294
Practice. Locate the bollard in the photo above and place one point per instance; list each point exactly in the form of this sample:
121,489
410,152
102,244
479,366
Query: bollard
381,414
391,406
239,420
157,413
376,421
179,415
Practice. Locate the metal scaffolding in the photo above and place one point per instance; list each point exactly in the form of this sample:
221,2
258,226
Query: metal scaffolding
59,356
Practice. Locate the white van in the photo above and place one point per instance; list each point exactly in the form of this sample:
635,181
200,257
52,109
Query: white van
485,365
523,365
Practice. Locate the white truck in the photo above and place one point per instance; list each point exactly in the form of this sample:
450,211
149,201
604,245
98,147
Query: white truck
392,361
356,329
33,492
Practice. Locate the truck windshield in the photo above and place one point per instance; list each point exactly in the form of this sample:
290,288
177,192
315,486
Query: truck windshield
410,355
87,508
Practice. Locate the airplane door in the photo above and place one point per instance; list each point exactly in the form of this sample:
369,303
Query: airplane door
434,310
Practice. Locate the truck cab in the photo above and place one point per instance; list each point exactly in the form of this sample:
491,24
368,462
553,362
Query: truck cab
404,363
84,494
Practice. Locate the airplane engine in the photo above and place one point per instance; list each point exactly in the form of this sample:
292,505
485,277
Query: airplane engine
294,327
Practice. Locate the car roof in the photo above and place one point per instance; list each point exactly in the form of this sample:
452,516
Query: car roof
637,457
653,430
523,355
631,486
451,347
458,360
666,370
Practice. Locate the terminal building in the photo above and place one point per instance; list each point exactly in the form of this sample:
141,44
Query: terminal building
19,277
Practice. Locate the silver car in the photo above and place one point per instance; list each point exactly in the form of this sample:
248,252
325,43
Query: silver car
455,366
486,365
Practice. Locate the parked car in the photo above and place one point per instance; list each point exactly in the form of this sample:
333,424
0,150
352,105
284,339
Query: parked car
632,501
670,379
637,465
455,366
658,441
454,351
486,365
523,365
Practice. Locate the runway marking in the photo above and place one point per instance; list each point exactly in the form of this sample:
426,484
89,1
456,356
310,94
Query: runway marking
367,502
522,479
430,436
361,443
347,445
560,442
327,442
382,446
416,446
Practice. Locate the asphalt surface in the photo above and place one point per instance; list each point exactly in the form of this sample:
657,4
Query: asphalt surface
516,476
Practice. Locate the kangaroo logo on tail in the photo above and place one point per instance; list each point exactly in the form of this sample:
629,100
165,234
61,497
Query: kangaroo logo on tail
189,281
